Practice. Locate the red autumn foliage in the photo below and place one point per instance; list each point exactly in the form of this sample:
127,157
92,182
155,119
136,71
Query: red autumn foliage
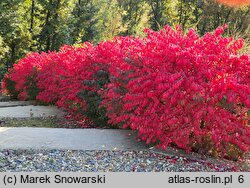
173,88
235,3
24,73
183,89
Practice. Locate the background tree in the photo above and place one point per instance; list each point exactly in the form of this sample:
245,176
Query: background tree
43,25
109,19
84,21
13,32
214,15
135,17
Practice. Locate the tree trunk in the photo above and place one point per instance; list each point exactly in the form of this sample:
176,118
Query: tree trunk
12,55
54,35
47,25
32,20
181,12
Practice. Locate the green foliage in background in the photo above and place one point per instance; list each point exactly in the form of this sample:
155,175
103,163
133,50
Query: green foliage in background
45,25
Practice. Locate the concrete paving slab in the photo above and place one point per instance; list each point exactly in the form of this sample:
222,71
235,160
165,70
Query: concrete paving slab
16,103
72,139
30,111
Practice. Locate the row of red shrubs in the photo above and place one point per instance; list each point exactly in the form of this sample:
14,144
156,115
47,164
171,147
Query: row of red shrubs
175,89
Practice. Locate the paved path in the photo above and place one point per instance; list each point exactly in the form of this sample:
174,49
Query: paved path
53,138
4,104
74,139
30,111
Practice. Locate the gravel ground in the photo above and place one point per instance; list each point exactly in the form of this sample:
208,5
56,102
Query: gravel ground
103,161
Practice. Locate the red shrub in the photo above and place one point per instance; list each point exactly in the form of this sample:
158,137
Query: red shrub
63,79
123,57
189,88
23,74
174,88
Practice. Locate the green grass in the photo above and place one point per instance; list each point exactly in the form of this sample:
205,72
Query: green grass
50,122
